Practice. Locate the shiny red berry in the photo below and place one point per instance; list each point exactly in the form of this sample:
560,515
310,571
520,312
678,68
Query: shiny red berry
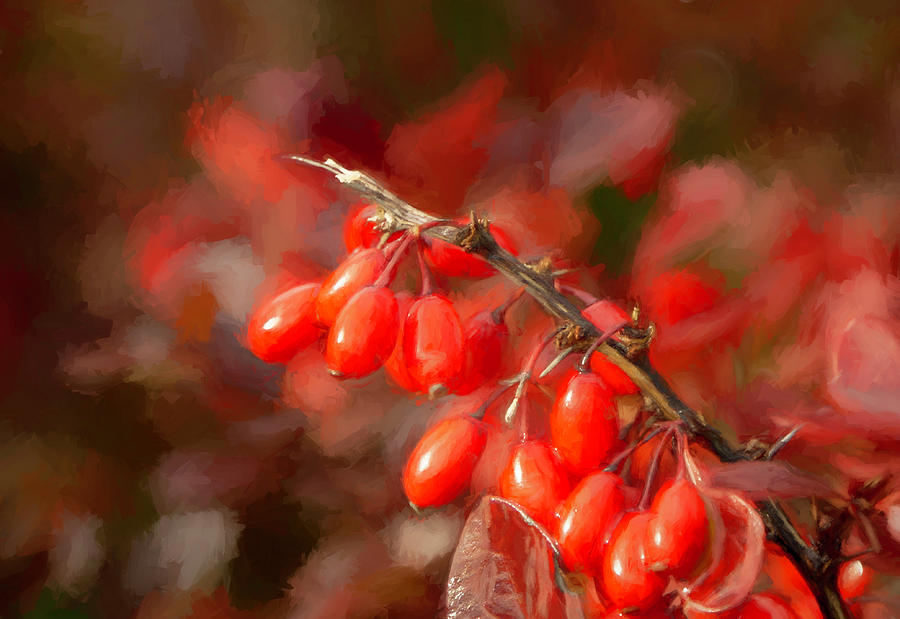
854,578
433,342
364,333
360,229
440,467
626,579
534,478
586,519
642,458
450,260
606,315
484,340
583,422
359,270
284,324
676,536
395,366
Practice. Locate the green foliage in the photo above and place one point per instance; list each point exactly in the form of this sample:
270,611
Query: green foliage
477,30
621,221
50,606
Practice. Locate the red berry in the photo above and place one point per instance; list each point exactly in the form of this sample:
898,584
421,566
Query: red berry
586,519
363,334
535,478
395,366
583,424
359,270
764,606
454,261
433,342
484,341
359,228
676,537
284,324
642,456
626,579
606,315
441,465
853,579
677,295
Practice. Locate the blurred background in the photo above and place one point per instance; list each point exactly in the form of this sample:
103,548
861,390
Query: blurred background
150,467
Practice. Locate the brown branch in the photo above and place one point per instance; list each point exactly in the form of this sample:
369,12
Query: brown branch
818,569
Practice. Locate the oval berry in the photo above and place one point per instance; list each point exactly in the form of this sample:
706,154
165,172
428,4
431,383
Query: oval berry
854,578
364,333
440,467
395,366
453,261
360,269
284,325
606,315
535,478
484,339
642,458
433,342
586,519
583,422
626,579
360,228
676,537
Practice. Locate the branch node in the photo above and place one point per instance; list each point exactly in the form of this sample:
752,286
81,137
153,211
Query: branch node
572,336
475,237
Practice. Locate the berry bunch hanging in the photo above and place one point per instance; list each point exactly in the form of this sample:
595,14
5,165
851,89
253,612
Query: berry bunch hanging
623,503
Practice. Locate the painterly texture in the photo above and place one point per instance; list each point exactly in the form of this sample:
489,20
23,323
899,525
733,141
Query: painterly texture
731,168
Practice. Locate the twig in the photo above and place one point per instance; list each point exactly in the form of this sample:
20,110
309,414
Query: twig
819,570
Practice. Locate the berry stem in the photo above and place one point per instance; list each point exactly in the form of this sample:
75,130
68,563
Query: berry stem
424,273
654,467
387,275
524,376
620,457
586,359
499,314
582,295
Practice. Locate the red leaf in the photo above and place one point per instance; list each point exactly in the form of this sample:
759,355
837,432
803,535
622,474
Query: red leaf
761,479
730,577
503,567
440,155
619,136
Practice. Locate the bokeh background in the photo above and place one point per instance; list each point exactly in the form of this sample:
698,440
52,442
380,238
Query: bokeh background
150,467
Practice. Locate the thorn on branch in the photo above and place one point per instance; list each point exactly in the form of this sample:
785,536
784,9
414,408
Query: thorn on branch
475,237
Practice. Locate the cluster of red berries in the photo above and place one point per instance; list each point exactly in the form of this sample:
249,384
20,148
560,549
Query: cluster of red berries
421,341
637,552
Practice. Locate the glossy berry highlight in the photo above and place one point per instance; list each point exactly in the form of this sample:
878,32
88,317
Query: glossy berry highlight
440,467
534,478
285,324
583,422
364,333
